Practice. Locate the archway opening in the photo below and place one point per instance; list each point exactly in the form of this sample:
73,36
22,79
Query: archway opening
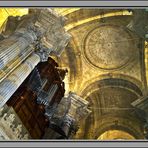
116,135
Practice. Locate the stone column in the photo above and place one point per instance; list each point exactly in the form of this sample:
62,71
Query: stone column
78,109
11,127
71,110
14,45
15,63
36,34
15,79
77,112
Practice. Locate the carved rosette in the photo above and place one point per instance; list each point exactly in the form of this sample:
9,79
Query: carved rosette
106,47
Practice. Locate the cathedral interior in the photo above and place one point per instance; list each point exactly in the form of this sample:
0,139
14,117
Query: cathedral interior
73,73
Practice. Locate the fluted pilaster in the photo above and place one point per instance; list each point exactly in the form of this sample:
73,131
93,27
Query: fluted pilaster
15,63
14,45
15,79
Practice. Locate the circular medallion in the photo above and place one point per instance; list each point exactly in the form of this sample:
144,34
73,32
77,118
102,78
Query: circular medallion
109,47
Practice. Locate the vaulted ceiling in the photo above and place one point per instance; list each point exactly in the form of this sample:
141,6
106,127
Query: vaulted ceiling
99,46
107,65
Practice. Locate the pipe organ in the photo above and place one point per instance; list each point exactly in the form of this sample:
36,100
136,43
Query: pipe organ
38,96
28,44
31,83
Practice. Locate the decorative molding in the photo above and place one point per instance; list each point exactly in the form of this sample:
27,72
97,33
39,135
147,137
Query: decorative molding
70,111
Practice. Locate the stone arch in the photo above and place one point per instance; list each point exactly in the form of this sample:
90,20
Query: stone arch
101,120
116,79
